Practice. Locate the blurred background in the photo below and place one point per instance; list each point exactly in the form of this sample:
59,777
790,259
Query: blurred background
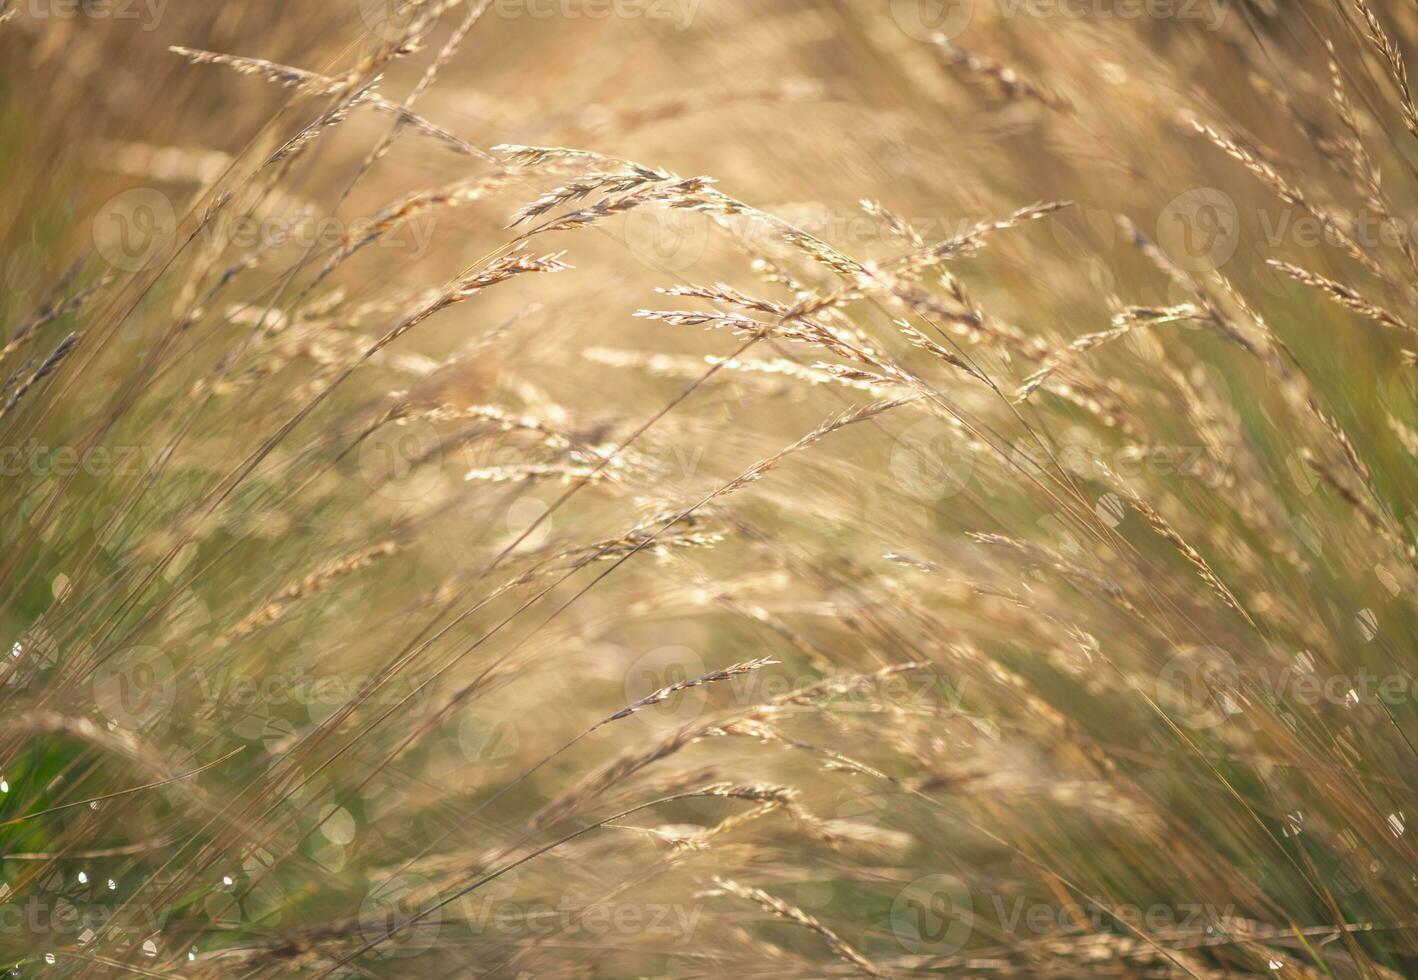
1079,636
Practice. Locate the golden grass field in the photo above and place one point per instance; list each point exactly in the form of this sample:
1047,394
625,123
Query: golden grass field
651,488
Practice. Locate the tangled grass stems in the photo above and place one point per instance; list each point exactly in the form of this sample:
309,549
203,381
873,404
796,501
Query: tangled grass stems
1048,568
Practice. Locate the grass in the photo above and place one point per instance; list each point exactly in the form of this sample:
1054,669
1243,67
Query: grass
770,491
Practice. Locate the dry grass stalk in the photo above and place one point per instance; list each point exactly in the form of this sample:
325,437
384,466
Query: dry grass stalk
792,913
47,367
1344,295
999,547
313,83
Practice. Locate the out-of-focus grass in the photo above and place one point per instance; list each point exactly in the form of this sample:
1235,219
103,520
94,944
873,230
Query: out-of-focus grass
354,628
